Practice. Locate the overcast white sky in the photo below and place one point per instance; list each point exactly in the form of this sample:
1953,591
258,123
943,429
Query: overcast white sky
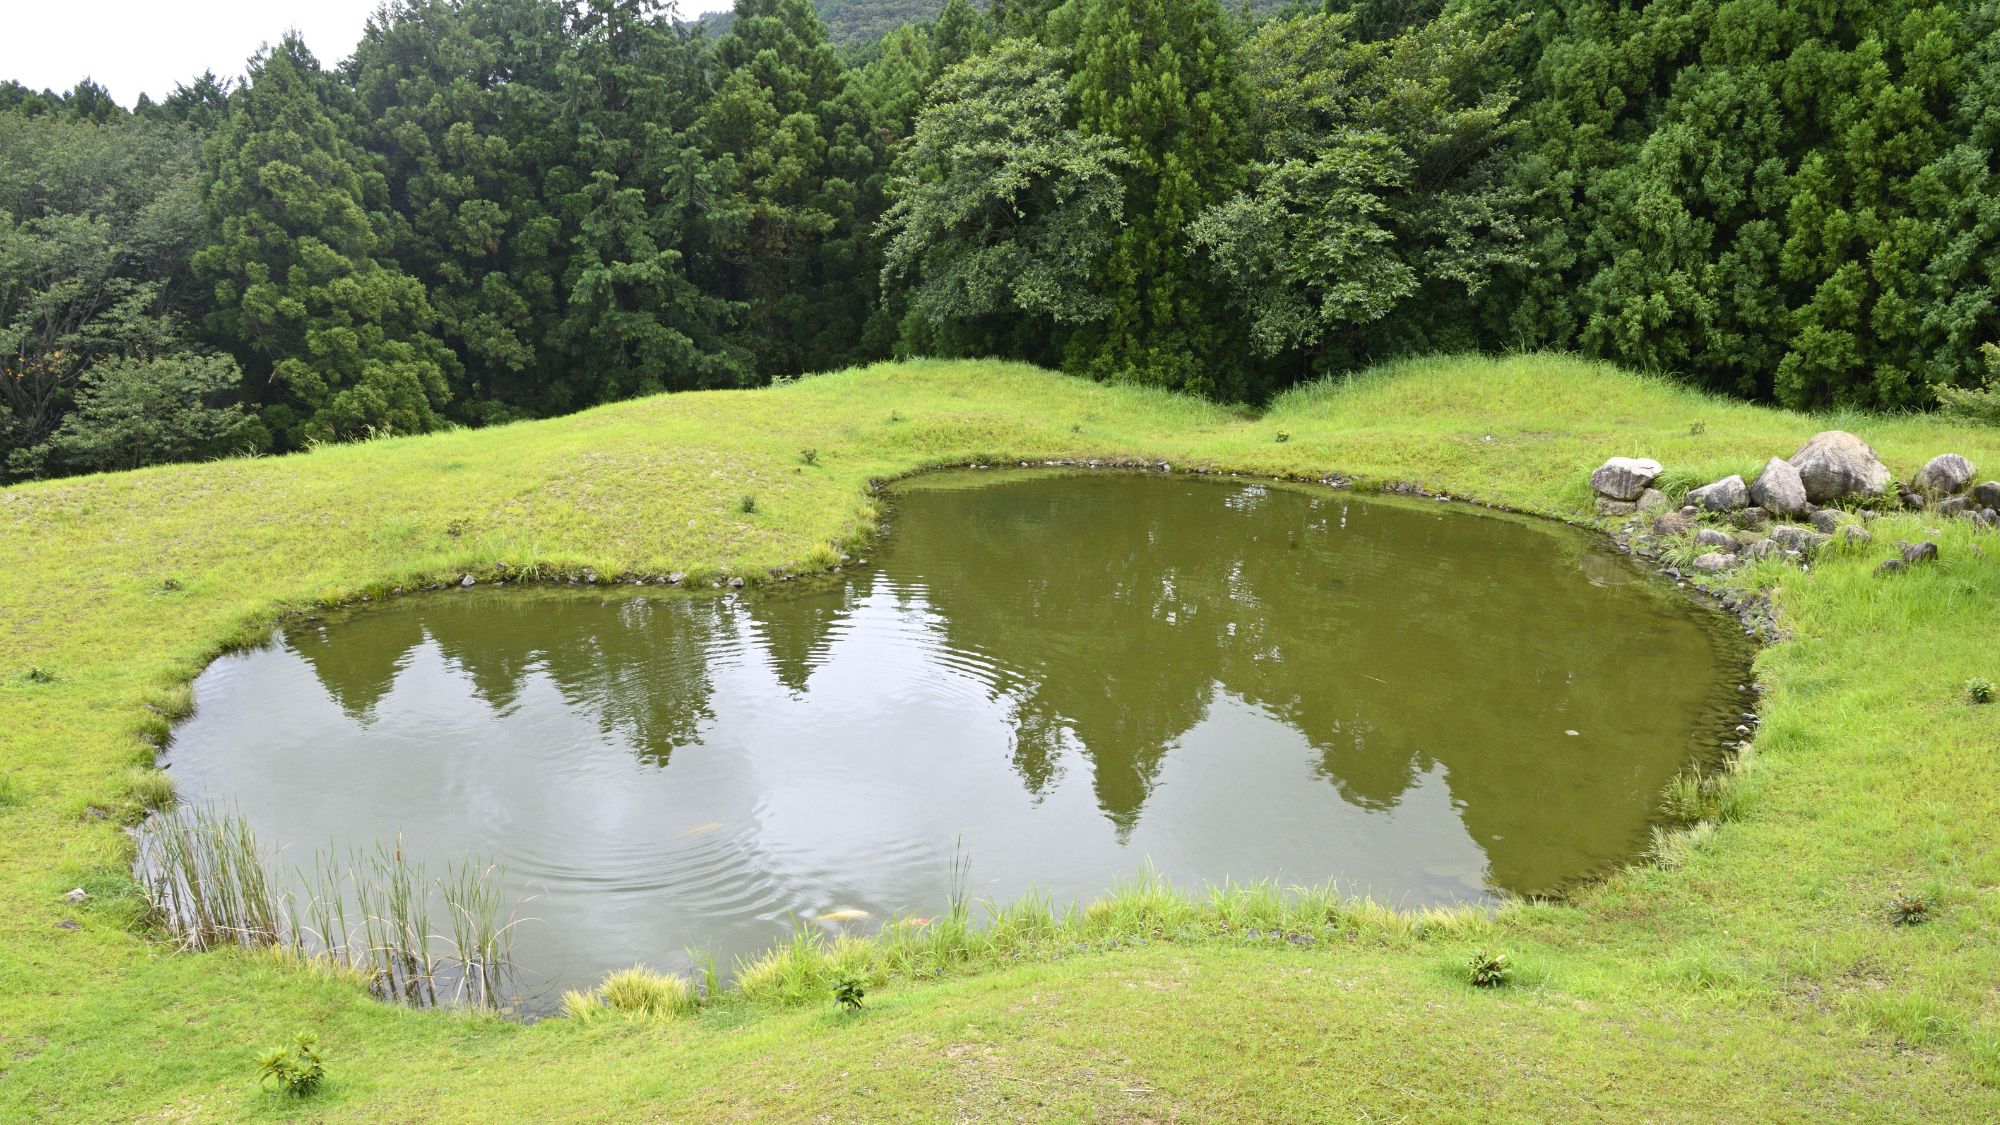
135,46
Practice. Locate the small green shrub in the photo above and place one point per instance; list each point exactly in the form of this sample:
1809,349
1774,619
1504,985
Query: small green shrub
297,1070
36,674
10,793
809,456
1283,437
848,991
1488,969
1911,910
747,505
1979,689
170,585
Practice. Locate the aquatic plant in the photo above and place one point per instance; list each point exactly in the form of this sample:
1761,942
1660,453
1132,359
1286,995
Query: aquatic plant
296,1070
208,884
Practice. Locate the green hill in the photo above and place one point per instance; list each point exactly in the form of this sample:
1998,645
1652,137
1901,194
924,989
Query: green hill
1749,973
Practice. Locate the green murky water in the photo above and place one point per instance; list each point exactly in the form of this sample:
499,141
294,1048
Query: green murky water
1066,676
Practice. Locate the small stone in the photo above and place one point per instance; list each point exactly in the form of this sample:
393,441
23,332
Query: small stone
77,897
1911,501
1989,517
1826,520
1652,500
1726,495
1624,478
1947,474
69,924
1606,506
676,578
1714,562
1836,464
1720,540
736,583
1892,566
1923,552
1987,494
1752,519
1853,535
468,580
1779,489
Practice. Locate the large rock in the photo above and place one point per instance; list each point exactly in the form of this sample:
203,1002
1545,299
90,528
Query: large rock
1947,474
1986,494
1836,464
1780,489
1624,478
1729,494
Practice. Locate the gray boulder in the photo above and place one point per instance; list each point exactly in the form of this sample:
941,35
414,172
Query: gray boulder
1714,562
1670,524
1761,549
1892,566
1606,506
1914,553
1729,494
1947,474
1987,494
1780,489
1826,520
1624,478
1792,538
1836,464
1717,539
1956,506
1853,535
1752,519
1652,500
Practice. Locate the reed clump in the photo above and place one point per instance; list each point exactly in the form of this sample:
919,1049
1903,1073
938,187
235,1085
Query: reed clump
370,912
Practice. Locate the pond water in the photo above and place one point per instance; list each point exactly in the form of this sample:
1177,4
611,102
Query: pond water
1059,677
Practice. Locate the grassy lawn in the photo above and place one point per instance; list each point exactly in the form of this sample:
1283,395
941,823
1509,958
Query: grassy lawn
1755,977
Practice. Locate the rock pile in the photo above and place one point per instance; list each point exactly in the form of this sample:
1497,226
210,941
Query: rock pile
1832,483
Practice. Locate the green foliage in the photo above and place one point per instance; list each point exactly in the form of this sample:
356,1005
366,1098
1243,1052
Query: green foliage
849,990
297,1070
1488,969
1003,208
1779,200
747,505
131,412
1380,188
1979,401
1163,80
336,332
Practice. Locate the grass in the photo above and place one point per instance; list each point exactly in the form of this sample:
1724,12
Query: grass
1750,974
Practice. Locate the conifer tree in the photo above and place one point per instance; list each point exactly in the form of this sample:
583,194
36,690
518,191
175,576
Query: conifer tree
332,339
1162,79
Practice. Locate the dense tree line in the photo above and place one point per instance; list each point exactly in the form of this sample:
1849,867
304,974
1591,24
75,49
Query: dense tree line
498,209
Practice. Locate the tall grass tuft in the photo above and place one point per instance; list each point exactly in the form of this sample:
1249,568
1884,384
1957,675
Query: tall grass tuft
637,991
209,885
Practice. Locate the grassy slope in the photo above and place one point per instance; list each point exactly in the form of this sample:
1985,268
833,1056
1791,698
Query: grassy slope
1754,980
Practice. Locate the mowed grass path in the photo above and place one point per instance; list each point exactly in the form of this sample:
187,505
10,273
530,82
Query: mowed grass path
1756,979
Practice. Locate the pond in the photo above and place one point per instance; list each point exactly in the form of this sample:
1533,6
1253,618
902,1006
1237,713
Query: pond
1059,678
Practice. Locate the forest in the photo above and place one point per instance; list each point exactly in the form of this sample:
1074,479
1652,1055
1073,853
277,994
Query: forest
506,209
